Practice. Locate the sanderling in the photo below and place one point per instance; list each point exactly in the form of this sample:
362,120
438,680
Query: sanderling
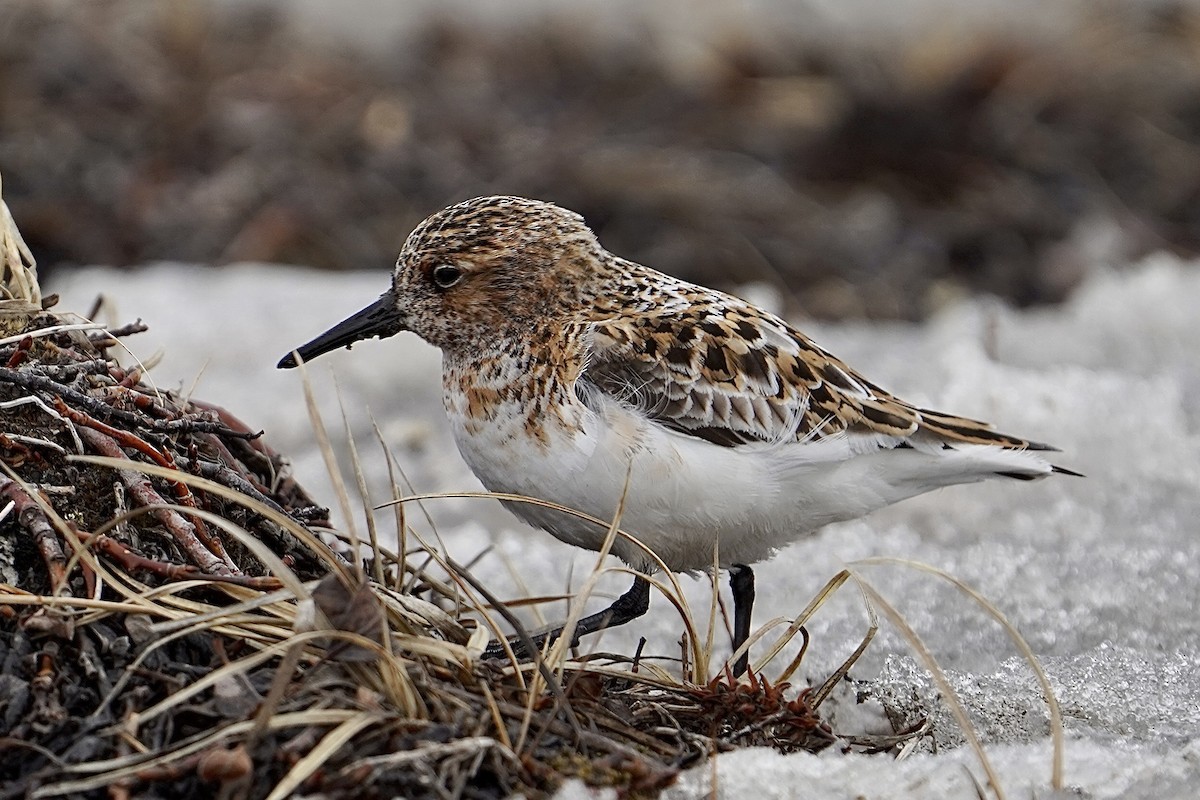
577,377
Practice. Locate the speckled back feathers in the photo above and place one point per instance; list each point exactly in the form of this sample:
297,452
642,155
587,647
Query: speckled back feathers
547,313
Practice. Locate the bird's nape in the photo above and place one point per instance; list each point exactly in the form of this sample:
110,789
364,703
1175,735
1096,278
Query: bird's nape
381,319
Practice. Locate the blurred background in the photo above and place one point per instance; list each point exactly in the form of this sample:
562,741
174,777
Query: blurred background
863,161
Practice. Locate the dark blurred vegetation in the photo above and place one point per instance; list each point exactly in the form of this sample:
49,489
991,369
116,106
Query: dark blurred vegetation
869,181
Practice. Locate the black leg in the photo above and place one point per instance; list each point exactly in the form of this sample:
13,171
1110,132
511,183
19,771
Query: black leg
741,581
625,608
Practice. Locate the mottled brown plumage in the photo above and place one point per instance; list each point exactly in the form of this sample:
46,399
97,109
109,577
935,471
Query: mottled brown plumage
696,360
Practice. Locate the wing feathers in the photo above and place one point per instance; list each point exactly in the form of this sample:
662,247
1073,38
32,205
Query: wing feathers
732,374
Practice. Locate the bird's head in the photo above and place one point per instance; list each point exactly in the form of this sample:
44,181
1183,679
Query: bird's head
477,271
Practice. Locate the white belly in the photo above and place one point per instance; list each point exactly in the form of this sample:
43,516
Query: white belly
682,495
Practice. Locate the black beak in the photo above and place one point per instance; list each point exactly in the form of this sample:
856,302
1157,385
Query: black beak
381,319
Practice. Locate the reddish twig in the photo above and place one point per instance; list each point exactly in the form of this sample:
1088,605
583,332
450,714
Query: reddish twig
144,493
131,561
20,353
131,378
286,488
234,424
226,457
162,458
16,453
31,517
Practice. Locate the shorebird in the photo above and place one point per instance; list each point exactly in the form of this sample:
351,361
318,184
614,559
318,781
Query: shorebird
575,376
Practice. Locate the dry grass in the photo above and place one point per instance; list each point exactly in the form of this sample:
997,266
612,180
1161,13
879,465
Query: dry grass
364,686
21,293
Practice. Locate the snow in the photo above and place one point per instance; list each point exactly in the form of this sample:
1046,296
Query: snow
1097,573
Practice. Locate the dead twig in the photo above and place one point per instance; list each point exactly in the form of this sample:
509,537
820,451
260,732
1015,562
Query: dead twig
163,459
108,336
31,517
228,477
120,393
232,426
69,372
144,493
132,561
40,383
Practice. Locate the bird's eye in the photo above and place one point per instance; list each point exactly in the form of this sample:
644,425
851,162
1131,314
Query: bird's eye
446,275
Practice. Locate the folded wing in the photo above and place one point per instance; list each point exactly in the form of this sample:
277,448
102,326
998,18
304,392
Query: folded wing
722,370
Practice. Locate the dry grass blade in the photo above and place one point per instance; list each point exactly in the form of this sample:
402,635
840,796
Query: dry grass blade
473,744
1052,704
558,650
939,677
842,671
360,483
53,330
326,447
19,280
316,758
675,595
714,604
12,596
